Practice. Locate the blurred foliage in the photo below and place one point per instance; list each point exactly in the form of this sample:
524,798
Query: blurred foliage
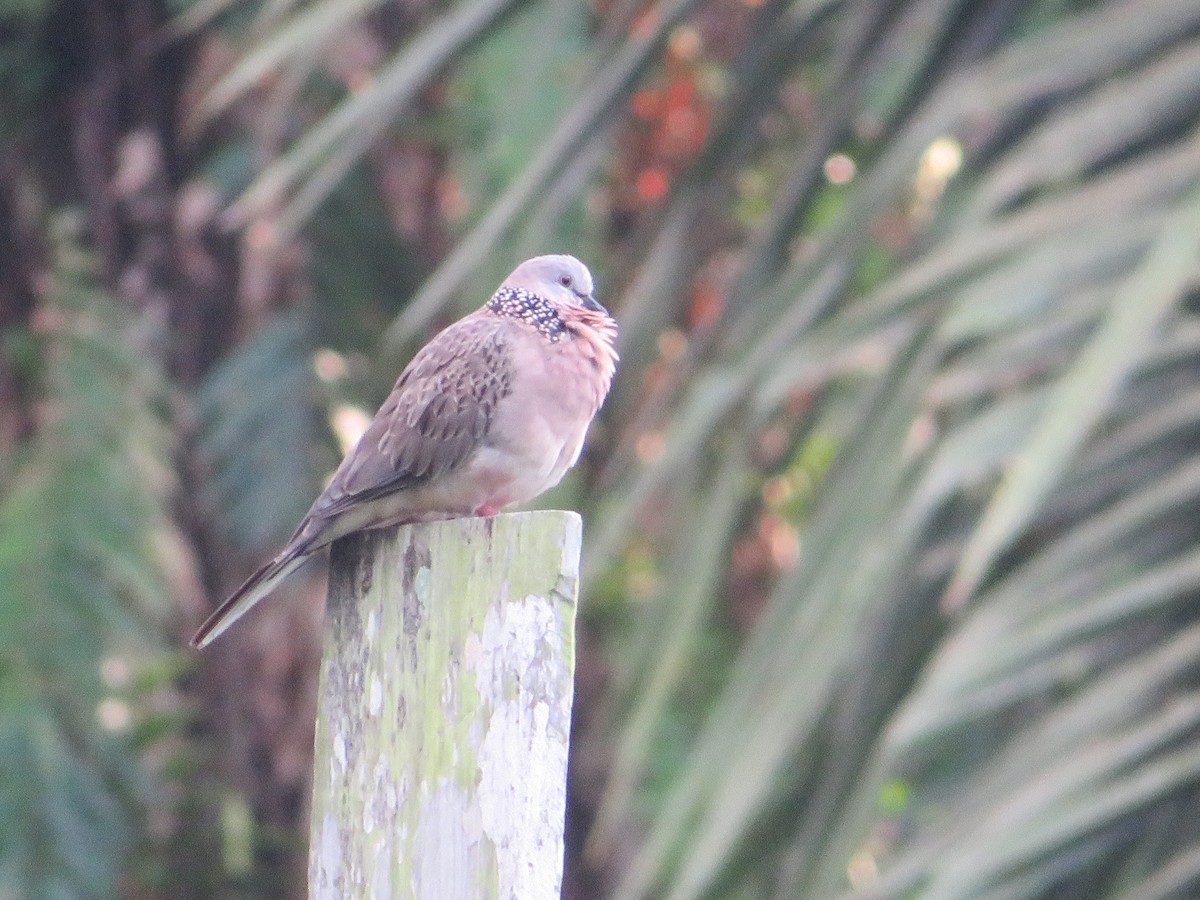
24,66
83,530
891,576
255,429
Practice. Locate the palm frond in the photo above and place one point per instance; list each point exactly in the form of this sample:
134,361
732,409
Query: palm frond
84,587
257,423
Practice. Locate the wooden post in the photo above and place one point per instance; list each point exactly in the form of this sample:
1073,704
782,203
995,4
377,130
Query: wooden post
445,709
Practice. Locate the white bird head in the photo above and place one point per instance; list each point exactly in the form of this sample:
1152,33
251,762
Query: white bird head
559,278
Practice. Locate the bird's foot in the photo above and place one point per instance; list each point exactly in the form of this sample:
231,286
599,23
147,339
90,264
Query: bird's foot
487,509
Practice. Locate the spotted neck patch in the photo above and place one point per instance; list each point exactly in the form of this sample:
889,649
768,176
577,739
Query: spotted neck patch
518,303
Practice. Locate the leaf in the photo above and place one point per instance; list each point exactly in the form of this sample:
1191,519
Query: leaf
1084,393
256,419
83,580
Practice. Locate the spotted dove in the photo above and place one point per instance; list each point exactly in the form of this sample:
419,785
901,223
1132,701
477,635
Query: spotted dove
490,413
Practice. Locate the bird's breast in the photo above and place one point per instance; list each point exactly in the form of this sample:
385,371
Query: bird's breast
539,428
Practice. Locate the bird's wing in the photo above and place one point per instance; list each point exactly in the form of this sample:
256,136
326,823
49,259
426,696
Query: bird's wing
437,415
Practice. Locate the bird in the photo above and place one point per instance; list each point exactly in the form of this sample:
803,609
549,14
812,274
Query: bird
490,413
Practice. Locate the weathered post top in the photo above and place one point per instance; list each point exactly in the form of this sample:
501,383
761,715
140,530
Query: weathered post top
444,710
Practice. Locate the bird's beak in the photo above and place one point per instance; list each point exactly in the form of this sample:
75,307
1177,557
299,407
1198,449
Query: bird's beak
590,302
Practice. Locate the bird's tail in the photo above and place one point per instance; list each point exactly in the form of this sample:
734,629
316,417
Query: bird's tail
252,590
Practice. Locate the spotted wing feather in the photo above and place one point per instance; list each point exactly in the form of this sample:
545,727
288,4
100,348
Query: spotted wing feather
439,412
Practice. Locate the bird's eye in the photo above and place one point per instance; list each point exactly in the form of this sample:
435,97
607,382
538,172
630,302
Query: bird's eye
565,280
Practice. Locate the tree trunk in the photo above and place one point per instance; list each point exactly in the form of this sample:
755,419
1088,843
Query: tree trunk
444,710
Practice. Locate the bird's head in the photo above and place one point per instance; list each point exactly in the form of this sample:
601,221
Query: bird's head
561,279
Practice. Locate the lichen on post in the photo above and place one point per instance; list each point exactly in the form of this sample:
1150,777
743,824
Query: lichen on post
444,710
